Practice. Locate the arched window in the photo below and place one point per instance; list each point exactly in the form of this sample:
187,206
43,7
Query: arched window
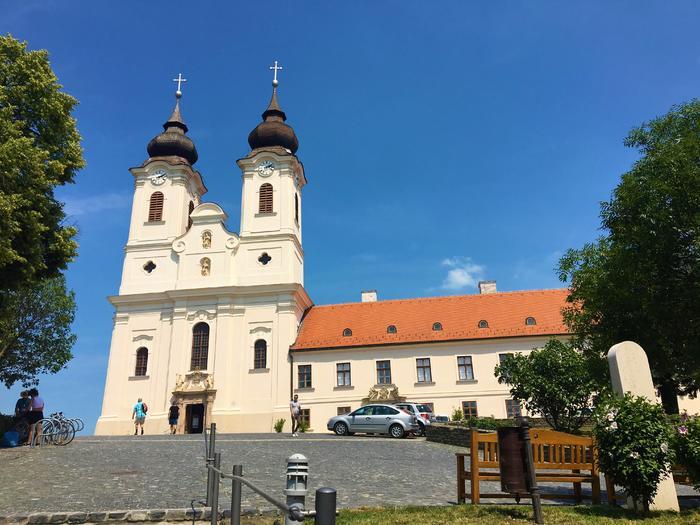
260,360
483,324
347,332
141,361
200,346
530,321
265,198
189,215
155,208
296,207
391,329
437,327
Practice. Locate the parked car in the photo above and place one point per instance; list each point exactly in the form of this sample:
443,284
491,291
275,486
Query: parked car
423,413
375,419
442,419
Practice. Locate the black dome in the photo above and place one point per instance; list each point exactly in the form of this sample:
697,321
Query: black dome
173,142
272,131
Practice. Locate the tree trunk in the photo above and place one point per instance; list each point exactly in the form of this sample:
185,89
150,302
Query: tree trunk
669,396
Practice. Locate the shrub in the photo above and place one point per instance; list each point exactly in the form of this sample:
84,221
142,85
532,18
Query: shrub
633,438
457,415
279,425
482,423
303,426
7,422
687,446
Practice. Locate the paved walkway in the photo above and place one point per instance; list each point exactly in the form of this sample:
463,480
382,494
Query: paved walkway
100,473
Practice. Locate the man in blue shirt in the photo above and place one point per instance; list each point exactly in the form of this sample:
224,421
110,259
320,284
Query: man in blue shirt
139,416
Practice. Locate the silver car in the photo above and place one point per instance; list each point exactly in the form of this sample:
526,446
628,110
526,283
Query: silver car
375,419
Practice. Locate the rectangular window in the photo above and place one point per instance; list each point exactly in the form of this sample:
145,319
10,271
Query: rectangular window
383,372
423,369
304,376
512,408
503,357
344,410
343,374
464,368
305,417
469,409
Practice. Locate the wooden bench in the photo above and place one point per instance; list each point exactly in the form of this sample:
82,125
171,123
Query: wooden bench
552,452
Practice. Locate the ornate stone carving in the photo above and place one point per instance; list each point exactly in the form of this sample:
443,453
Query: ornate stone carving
206,239
389,393
232,243
179,246
193,382
205,265
201,315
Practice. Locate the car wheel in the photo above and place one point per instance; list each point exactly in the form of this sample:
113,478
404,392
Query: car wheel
341,429
420,431
397,431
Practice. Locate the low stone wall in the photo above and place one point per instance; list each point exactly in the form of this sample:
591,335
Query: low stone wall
448,435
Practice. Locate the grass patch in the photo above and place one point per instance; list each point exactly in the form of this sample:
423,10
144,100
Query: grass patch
502,515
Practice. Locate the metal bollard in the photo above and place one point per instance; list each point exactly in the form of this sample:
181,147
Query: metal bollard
210,461
236,496
297,478
325,506
215,476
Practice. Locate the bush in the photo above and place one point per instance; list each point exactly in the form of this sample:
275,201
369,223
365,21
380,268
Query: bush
633,438
457,415
279,425
7,422
482,423
303,426
687,446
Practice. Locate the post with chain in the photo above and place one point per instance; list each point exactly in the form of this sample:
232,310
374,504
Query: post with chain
531,475
216,477
297,479
236,496
211,449
325,506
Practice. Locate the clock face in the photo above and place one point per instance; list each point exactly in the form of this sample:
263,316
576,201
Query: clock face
158,177
265,168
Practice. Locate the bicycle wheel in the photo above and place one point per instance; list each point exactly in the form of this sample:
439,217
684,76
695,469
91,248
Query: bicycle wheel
66,433
77,423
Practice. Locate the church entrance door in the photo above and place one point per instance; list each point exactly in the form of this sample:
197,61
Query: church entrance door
194,418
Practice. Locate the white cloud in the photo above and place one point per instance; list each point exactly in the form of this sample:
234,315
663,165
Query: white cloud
74,206
462,273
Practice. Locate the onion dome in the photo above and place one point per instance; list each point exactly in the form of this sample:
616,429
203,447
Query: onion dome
272,131
173,142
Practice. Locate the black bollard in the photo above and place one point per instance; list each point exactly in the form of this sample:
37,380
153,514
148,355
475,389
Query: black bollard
215,476
211,448
325,506
236,496
531,475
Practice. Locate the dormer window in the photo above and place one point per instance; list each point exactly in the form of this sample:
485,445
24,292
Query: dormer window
437,327
483,324
530,321
347,332
391,329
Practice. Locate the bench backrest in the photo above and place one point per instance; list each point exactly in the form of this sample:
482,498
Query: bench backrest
550,449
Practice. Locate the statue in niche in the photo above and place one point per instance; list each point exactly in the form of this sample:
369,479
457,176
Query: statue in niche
205,264
206,239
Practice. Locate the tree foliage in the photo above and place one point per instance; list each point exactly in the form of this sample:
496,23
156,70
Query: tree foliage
554,382
39,150
35,335
641,280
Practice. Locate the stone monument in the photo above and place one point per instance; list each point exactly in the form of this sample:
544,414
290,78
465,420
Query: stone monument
630,372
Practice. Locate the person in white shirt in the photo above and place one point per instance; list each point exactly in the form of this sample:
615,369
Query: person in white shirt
295,410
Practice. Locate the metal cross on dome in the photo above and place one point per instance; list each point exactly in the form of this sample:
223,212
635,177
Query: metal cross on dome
275,68
179,81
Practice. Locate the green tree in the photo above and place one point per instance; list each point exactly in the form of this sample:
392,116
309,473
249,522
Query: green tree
39,150
35,335
555,382
641,280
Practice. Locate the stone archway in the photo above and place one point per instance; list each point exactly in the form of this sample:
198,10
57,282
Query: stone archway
194,388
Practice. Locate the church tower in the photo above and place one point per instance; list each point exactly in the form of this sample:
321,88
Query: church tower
271,218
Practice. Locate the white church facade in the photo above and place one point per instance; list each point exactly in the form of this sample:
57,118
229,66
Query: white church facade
220,324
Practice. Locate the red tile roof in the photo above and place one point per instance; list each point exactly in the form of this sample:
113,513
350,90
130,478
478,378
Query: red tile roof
459,315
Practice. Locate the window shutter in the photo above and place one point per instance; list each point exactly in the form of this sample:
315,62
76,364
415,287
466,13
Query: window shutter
155,209
265,198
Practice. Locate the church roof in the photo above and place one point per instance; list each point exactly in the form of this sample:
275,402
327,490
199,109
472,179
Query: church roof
459,317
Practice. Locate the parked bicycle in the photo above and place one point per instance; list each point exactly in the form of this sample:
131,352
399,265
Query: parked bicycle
57,429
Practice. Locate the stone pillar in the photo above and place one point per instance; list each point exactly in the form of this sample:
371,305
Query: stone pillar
629,371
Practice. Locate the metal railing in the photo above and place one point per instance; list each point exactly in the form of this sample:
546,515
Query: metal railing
296,489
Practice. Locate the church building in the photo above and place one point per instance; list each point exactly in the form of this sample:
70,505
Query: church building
219,322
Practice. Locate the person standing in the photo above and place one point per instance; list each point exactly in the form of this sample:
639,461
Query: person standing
22,406
34,416
139,415
173,416
295,410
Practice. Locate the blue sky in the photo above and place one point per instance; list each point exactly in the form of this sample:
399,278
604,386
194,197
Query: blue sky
443,142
